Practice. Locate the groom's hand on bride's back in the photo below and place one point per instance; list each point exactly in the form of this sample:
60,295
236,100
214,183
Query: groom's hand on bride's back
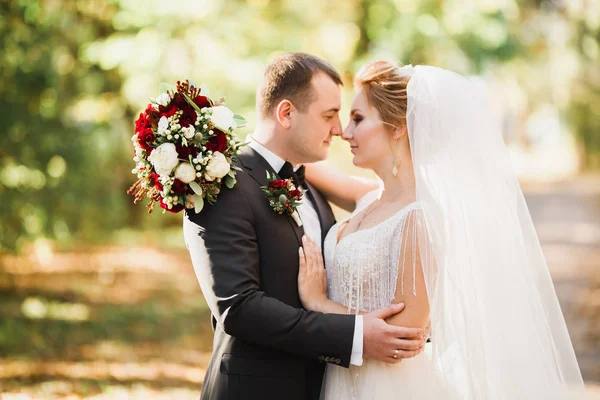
382,341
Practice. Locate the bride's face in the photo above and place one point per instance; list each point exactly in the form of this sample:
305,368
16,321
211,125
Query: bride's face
368,137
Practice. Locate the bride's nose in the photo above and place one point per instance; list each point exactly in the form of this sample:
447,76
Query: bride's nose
347,134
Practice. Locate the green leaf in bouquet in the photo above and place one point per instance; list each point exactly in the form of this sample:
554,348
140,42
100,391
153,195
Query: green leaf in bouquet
191,103
204,90
230,181
231,173
196,188
198,203
240,122
165,87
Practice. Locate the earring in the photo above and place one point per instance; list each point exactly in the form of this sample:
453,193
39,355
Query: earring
396,164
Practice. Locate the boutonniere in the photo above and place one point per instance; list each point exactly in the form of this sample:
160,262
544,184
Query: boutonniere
283,196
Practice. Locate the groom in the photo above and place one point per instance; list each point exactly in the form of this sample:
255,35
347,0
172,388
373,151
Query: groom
266,346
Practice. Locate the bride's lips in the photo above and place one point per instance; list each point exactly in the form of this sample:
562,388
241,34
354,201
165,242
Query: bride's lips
352,148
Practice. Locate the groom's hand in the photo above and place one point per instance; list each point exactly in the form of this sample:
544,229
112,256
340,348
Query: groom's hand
382,341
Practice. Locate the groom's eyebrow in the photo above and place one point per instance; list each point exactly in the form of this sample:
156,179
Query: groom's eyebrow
334,109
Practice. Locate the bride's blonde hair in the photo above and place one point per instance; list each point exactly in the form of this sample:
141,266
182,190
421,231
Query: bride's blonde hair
385,88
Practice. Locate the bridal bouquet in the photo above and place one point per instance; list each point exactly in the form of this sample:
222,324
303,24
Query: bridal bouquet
184,149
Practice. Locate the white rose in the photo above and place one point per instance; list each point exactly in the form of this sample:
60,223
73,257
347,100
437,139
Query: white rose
185,172
164,159
188,131
163,124
217,167
163,100
222,118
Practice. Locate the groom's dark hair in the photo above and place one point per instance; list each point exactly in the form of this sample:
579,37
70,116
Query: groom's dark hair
289,77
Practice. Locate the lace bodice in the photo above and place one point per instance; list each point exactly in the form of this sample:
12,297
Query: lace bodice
363,267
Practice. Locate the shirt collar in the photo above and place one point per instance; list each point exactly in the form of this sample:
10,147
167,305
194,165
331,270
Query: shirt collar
273,159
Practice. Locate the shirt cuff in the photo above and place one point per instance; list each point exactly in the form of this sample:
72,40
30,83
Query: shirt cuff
357,342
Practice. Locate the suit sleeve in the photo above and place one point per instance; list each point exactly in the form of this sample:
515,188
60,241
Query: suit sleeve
224,249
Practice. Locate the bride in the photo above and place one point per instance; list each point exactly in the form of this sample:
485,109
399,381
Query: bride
449,235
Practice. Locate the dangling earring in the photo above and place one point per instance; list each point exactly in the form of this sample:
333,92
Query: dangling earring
396,164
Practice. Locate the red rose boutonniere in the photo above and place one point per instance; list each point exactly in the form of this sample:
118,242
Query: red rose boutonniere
283,196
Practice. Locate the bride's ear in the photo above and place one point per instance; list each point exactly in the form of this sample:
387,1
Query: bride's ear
283,113
400,132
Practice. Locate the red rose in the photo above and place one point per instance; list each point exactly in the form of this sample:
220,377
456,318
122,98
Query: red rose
146,147
201,102
155,182
296,194
218,142
167,111
146,135
187,119
147,119
189,114
142,123
277,184
179,187
185,151
176,208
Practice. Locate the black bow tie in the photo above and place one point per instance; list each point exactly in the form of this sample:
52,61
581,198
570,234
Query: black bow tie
287,171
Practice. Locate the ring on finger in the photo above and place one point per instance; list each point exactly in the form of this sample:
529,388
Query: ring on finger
395,356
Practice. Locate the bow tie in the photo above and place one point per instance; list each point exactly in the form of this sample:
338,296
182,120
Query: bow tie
287,171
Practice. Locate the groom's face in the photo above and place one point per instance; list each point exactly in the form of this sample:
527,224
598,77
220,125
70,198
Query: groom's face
314,129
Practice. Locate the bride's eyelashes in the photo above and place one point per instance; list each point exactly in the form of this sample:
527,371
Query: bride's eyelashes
357,119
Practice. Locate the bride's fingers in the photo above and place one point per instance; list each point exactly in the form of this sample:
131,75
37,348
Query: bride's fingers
320,262
302,260
318,267
310,256
409,345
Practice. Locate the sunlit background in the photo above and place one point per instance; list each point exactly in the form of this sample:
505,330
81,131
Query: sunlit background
98,298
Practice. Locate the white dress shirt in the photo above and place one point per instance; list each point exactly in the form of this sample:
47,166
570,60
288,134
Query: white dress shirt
312,228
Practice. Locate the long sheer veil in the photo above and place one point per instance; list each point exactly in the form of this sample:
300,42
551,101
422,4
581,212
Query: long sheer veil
497,328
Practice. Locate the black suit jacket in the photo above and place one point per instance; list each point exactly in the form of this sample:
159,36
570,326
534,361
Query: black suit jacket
266,346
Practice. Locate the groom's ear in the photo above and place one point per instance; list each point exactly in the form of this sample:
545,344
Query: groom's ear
283,113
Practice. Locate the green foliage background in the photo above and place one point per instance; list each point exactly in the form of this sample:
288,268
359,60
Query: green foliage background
74,75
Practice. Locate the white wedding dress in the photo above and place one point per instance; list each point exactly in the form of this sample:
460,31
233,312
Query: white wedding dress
364,270
497,329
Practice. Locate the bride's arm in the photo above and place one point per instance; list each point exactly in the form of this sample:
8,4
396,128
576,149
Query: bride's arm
341,189
415,257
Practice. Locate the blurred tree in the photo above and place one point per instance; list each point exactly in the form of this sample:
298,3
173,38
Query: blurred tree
73,75
55,158
584,111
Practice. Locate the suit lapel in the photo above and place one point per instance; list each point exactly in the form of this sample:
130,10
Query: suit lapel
257,168
323,211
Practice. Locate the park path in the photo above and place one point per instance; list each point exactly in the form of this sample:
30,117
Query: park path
567,219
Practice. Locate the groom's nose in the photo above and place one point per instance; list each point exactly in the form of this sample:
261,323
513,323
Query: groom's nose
337,129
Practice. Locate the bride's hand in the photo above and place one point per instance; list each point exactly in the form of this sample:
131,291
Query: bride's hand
312,280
